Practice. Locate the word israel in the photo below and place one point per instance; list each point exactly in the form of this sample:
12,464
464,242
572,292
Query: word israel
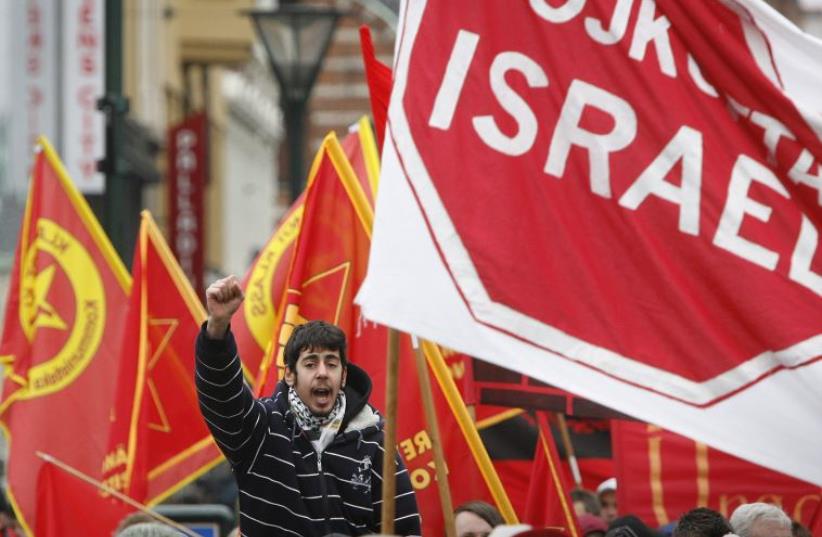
687,146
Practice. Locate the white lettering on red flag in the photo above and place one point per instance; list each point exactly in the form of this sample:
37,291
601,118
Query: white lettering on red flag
602,198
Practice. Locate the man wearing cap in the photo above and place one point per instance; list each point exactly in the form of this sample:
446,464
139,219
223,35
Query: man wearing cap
606,491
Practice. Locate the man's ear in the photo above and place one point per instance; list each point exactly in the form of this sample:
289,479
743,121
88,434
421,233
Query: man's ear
290,377
344,376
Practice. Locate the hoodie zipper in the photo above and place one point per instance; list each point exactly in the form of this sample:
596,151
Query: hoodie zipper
324,490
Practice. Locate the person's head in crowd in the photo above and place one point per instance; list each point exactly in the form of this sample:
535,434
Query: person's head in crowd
148,529
629,526
607,494
524,530
760,520
542,532
592,525
798,530
702,522
585,501
137,517
476,519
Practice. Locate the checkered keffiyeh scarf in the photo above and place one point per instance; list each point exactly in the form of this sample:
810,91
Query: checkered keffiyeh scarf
312,424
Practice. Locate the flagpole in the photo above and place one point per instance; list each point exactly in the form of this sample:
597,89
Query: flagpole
389,463
436,443
117,494
569,449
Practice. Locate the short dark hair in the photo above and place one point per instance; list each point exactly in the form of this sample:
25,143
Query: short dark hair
484,510
314,335
702,522
588,499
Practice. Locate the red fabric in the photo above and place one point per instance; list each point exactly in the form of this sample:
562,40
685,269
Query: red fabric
63,327
265,281
188,153
816,523
264,285
687,474
714,27
155,426
378,76
549,502
529,95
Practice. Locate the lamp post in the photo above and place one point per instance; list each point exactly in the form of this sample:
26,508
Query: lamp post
296,38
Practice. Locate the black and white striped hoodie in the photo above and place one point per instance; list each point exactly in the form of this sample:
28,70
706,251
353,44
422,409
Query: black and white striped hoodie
286,487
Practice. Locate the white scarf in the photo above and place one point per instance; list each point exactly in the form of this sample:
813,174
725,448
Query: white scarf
321,430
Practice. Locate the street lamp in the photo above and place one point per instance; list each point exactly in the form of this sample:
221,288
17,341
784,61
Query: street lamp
296,38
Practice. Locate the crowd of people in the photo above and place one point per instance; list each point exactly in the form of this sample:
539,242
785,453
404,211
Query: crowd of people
598,516
308,460
480,519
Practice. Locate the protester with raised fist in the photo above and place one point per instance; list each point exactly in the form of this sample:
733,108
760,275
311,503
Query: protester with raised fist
308,459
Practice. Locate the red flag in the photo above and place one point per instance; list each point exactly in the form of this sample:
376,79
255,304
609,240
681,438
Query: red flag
378,76
264,285
511,437
333,235
661,475
549,503
329,264
265,282
61,340
816,523
619,199
157,446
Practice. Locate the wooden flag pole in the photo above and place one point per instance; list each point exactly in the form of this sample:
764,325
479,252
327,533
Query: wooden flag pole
389,462
117,494
436,443
569,449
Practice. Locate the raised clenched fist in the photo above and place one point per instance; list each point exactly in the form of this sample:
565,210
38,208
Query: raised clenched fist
223,298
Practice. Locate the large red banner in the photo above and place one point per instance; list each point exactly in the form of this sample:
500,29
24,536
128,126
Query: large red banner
618,198
187,176
155,447
662,475
600,156
266,280
65,313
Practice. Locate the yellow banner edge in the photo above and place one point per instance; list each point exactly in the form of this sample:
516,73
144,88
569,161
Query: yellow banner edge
469,430
566,510
349,181
370,153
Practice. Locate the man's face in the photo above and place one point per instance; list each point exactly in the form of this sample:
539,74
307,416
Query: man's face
318,378
769,528
609,512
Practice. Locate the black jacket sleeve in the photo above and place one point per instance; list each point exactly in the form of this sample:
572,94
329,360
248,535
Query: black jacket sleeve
235,418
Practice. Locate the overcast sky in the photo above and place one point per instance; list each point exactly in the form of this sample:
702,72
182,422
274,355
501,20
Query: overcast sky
5,54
